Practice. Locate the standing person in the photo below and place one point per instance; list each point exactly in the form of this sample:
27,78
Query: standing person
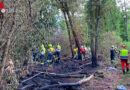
42,56
58,51
112,54
50,54
124,58
82,50
35,54
75,50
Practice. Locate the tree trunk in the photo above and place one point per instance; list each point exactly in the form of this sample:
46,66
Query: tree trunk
73,31
94,26
97,29
93,58
66,10
70,40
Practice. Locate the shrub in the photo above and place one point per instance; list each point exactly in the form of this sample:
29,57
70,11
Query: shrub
108,39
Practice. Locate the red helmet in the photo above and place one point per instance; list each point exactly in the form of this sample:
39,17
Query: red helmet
124,46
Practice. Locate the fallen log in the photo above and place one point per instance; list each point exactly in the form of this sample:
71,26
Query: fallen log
84,65
31,77
25,87
39,81
68,84
54,75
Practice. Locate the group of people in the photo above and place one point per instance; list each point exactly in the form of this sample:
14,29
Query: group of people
123,56
40,55
83,52
51,53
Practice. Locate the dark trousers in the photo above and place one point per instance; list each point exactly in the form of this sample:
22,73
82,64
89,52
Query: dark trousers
58,54
42,58
35,57
112,58
50,56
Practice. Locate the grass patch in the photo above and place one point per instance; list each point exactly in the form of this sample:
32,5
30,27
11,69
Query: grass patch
122,83
99,79
127,75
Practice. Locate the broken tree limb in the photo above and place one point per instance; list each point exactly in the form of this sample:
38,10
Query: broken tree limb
84,65
54,75
31,77
68,84
25,87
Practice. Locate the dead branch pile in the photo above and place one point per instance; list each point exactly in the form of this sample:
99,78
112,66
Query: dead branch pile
67,74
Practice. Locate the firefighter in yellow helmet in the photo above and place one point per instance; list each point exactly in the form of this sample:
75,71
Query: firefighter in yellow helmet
58,51
50,54
42,51
75,50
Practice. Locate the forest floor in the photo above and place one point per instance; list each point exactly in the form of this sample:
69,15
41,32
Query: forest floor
104,80
112,79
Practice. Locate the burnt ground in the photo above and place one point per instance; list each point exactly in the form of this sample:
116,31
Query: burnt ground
108,81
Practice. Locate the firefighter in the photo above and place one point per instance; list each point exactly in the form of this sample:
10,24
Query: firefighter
124,58
82,50
50,54
58,51
42,56
75,50
112,54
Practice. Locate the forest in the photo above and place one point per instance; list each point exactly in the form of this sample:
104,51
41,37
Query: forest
64,44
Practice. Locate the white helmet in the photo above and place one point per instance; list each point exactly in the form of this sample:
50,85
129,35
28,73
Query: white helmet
112,46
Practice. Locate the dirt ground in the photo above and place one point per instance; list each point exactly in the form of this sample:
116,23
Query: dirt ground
112,79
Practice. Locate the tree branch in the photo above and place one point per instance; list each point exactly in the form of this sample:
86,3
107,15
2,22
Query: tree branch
82,81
